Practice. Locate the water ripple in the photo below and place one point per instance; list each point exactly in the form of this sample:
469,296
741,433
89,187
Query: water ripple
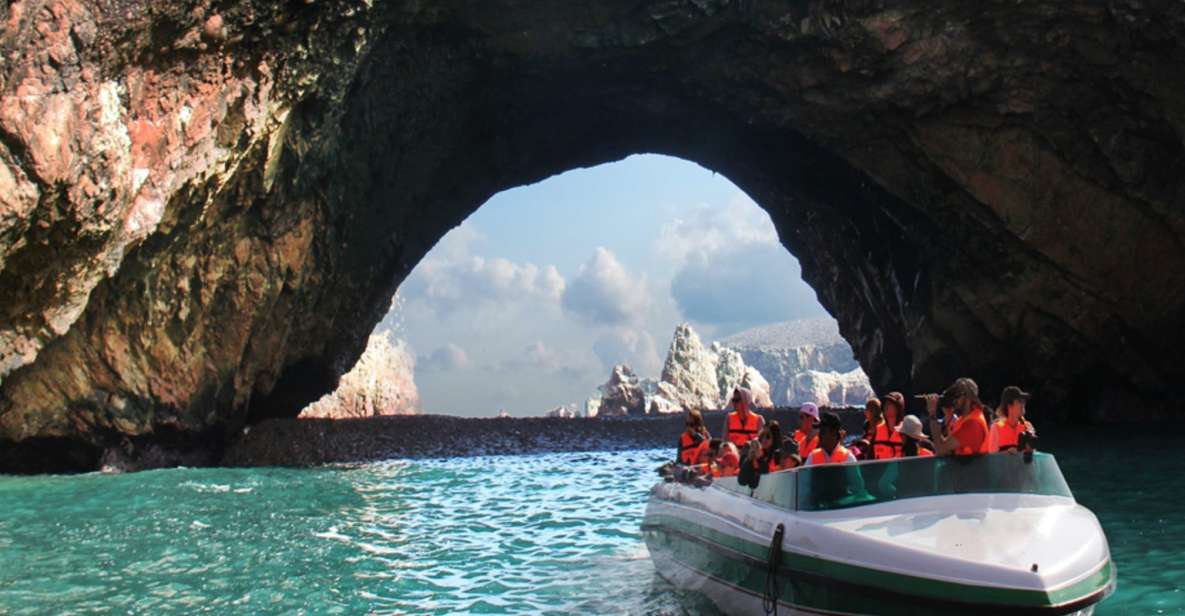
541,534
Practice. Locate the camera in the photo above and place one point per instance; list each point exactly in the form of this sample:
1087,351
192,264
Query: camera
1027,442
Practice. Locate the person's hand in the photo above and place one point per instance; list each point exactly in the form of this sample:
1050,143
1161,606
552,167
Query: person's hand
931,404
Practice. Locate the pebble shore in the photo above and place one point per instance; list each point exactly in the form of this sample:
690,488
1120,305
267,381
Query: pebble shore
306,442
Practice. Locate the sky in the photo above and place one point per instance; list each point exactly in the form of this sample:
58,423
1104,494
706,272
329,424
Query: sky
529,303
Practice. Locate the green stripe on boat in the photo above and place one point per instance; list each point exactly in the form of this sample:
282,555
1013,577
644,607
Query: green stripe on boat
892,582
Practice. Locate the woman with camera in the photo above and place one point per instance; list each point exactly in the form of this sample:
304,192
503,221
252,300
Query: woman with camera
1011,432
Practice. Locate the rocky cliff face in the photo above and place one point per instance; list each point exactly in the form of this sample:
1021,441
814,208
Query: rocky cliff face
381,383
205,207
621,394
805,361
695,377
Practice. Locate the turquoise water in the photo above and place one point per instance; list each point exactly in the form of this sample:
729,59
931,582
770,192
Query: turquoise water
544,534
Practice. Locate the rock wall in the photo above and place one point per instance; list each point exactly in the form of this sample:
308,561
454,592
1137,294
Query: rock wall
381,383
205,208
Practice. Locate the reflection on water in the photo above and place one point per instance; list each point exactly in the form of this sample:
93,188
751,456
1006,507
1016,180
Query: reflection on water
505,534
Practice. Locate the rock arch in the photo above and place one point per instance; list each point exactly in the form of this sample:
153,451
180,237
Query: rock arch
206,207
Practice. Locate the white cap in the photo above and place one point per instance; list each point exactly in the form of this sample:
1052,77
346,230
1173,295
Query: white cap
810,409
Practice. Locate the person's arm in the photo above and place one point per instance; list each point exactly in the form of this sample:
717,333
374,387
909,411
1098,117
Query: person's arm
943,445
994,438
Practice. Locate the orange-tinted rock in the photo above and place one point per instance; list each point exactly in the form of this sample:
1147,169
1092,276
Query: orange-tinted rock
203,214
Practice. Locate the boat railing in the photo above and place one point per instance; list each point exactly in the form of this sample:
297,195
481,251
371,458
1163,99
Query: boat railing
840,486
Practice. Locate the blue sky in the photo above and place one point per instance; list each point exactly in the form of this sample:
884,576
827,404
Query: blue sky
528,303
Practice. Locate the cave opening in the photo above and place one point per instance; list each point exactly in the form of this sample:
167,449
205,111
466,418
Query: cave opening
965,194
528,305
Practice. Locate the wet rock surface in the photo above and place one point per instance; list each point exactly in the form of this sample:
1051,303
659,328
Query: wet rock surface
205,208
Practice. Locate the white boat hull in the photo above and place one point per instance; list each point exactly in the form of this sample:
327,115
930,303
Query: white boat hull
941,554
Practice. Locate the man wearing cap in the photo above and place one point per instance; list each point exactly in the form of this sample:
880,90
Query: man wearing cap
742,424
969,434
807,434
1005,432
830,451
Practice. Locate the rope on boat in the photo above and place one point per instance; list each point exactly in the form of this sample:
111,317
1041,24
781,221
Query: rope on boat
769,597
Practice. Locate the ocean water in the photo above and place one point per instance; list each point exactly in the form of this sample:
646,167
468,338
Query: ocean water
538,534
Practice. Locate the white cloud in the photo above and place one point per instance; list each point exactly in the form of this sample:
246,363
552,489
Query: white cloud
604,293
447,357
446,284
629,346
741,288
710,229
543,360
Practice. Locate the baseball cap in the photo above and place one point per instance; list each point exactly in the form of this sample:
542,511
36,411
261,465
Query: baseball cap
1013,393
810,409
961,387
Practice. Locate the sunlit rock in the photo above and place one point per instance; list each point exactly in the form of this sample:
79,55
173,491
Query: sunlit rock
804,361
381,383
621,394
689,372
830,388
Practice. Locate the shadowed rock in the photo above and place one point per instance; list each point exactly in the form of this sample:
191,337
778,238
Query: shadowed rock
204,212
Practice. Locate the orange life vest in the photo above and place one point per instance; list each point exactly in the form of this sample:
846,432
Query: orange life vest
923,452
976,415
886,442
838,456
739,433
689,447
1008,437
805,447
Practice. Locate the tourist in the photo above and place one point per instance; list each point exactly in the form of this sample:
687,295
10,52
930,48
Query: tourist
886,442
761,455
969,433
789,459
807,434
872,417
742,424
1006,432
913,441
693,443
727,462
830,450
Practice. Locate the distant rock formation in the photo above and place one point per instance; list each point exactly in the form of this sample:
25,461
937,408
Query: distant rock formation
830,388
567,411
621,394
382,382
704,378
689,373
805,361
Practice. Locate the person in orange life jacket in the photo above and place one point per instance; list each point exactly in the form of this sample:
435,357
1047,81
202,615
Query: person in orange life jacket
886,443
830,451
807,434
742,424
913,442
727,462
693,443
969,434
1005,433
872,416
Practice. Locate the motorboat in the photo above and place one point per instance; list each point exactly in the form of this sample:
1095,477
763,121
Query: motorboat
999,534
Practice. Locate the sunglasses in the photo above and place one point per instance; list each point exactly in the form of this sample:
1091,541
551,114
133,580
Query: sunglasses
736,399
